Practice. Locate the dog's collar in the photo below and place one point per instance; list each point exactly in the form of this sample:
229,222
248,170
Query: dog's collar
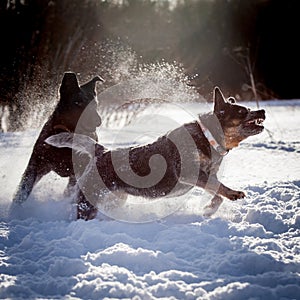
212,141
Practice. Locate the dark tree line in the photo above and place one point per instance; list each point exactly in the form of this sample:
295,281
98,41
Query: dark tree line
217,42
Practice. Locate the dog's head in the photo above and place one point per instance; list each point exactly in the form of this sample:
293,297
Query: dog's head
237,122
77,108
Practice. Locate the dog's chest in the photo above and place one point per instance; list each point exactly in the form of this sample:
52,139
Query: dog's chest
209,165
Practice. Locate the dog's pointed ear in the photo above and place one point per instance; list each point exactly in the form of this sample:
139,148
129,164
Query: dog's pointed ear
219,100
90,87
69,83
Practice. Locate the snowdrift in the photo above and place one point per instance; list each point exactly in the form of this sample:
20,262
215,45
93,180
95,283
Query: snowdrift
250,249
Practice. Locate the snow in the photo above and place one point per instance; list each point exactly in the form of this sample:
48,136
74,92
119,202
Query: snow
250,249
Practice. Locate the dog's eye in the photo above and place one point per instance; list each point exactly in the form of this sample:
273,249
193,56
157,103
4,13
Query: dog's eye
242,111
78,103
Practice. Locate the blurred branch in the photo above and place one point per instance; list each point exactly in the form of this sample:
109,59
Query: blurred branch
241,55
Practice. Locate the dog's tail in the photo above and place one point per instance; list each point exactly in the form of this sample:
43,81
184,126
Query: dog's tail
80,143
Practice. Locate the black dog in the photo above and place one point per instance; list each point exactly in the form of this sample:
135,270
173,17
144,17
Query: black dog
76,109
183,158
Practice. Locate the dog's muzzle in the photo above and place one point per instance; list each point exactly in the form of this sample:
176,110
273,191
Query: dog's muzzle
254,122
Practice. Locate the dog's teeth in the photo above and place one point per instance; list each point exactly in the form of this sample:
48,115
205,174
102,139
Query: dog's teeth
259,122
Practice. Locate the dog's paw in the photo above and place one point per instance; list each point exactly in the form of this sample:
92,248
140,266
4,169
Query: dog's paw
235,195
212,207
86,211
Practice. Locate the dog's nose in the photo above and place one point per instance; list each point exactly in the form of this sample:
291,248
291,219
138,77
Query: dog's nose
262,113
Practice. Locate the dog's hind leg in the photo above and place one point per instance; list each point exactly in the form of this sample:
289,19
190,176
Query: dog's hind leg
85,210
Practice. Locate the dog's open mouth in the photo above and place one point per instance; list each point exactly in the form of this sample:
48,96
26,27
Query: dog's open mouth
256,122
254,125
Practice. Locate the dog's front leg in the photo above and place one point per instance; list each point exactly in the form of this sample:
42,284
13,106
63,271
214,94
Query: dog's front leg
213,206
214,186
29,179
211,184
229,193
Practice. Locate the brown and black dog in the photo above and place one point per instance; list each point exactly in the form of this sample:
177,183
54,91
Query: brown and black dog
69,115
176,162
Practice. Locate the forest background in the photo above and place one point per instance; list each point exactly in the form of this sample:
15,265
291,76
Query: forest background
247,47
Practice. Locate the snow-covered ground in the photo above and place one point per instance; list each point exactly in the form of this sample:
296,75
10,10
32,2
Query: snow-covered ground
250,249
